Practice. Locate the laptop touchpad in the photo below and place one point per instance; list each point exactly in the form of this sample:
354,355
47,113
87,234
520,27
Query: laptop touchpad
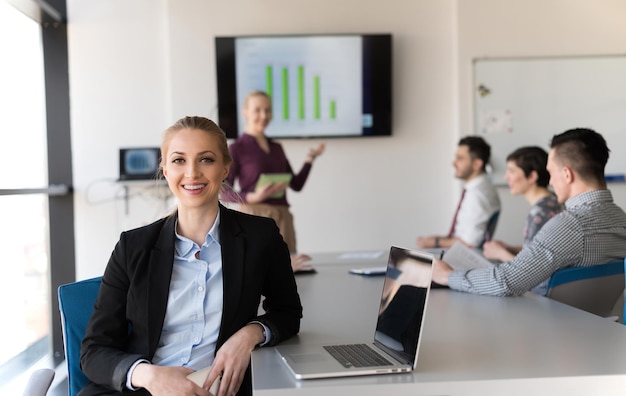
308,357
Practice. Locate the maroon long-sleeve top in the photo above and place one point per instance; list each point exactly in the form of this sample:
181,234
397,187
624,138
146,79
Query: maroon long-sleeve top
250,161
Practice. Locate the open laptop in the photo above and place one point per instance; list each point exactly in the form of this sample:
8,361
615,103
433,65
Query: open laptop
398,327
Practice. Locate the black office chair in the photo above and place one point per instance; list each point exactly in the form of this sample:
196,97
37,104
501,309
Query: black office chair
594,288
490,229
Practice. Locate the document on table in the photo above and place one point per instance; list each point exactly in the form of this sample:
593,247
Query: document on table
460,257
361,255
369,271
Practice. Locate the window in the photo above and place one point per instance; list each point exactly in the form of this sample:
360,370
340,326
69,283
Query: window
31,189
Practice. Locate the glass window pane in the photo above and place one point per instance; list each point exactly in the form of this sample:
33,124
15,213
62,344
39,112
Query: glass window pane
24,285
23,163
24,237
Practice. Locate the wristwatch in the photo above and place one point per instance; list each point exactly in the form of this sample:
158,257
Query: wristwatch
264,335
263,329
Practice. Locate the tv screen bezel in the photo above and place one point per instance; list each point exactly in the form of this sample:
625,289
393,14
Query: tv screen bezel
377,84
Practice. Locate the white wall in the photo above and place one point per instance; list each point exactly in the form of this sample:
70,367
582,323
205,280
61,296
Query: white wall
136,66
496,28
119,96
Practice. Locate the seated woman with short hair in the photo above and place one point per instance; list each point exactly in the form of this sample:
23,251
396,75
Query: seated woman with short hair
526,175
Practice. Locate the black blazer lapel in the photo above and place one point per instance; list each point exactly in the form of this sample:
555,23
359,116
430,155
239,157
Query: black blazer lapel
233,254
159,276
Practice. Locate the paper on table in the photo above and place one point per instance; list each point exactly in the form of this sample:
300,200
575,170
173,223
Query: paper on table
198,377
460,257
360,255
371,271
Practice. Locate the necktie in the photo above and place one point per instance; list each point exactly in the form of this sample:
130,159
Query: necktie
456,213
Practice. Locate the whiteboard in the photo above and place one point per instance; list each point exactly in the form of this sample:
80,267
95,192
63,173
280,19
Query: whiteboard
525,101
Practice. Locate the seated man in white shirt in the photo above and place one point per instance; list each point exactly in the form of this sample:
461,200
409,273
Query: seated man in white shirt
479,201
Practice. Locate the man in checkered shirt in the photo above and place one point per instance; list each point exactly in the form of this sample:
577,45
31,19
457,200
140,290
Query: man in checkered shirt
590,231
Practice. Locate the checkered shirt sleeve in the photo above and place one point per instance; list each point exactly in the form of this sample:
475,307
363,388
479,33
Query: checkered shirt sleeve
592,230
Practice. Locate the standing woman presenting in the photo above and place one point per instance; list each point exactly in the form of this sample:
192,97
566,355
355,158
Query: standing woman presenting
183,293
255,154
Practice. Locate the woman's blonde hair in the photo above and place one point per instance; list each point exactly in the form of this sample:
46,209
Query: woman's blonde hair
254,93
200,123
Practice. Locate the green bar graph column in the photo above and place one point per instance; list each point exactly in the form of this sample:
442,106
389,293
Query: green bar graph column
285,74
269,89
332,110
301,92
316,97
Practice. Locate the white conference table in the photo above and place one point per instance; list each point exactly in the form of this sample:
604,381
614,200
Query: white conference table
471,345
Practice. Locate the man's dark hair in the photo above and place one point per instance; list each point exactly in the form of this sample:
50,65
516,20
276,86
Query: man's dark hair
478,149
529,159
584,150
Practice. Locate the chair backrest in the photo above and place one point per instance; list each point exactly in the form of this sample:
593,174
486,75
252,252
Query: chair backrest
491,228
76,305
593,288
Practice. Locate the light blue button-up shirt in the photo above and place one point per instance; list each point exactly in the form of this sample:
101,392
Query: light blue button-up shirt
194,307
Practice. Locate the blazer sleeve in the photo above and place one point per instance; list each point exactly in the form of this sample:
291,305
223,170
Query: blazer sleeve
282,306
102,358
257,267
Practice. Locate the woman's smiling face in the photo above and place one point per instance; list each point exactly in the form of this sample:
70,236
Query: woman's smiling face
194,168
258,113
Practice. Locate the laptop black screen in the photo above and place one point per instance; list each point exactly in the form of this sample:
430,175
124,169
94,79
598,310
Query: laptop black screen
403,301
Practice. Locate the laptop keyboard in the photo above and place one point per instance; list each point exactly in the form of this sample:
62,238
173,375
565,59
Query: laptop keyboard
356,355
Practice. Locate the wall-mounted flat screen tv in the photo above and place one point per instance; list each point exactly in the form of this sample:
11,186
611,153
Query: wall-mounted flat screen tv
320,85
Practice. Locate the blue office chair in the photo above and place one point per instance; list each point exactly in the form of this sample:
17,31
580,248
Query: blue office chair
491,228
594,288
76,305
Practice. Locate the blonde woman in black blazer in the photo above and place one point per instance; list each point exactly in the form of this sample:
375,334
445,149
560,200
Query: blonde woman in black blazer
129,314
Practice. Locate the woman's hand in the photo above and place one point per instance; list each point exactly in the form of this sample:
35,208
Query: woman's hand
315,152
299,262
233,358
166,381
265,192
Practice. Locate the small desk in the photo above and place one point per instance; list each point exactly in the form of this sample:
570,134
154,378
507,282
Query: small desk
471,345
